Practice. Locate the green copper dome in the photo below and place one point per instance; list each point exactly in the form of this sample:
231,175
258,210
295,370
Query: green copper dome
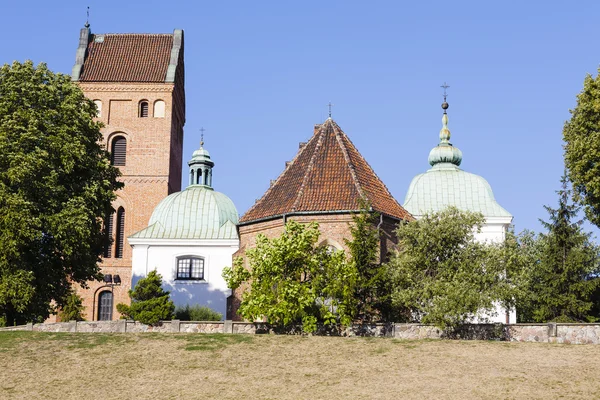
447,185
198,212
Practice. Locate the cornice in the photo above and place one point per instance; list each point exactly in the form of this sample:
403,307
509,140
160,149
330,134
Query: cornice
107,87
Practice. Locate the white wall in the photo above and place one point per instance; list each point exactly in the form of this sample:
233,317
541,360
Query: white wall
162,256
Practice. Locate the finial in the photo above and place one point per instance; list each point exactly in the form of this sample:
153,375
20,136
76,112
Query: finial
445,104
330,105
87,20
202,136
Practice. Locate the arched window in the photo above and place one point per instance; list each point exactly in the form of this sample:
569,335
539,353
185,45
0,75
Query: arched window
190,268
198,177
159,109
118,151
108,231
120,237
105,305
99,107
143,109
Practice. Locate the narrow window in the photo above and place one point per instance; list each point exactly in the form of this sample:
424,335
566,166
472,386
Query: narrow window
198,177
105,306
108,231
159,109
143,113
119,240
118,153
99,107
190,268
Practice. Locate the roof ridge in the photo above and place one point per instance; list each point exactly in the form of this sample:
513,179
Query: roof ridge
309,168
131,34
359,188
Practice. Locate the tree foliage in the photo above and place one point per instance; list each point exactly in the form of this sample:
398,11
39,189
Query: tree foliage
197,312
371,293
582,148
441,275
291,281
73,308
56,183
150,303
566,275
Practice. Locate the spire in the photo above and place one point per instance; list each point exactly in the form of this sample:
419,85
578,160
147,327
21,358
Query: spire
444,152
201,165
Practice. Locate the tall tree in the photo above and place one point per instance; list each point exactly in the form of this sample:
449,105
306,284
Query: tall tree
290,280
441,275
371,291
562,283
56,183
582,148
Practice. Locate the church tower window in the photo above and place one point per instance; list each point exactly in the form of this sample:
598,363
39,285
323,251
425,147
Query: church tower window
118,153
99,107
143,109
105,306
120,239
159,109
108,226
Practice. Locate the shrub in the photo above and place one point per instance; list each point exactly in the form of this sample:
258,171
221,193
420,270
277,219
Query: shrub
149,302
73,308
196,312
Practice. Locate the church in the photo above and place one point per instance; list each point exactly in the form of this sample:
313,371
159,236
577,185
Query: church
189,236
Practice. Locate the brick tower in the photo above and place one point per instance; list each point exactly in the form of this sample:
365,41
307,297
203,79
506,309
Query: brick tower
137,83
325,182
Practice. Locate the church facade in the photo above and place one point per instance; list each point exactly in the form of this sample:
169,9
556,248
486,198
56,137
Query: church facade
137,83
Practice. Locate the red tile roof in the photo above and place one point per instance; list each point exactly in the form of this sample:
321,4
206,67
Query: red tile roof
127,58
327,174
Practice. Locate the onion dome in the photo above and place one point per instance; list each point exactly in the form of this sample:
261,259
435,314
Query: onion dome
444,152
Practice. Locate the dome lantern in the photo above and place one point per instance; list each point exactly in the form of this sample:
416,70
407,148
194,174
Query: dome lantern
201,166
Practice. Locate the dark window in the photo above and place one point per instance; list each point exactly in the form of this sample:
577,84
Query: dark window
190,268
119,240
105,306
118,151
108,231
199,177
143,109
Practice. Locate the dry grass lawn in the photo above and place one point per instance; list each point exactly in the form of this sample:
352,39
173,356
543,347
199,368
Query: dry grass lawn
154,366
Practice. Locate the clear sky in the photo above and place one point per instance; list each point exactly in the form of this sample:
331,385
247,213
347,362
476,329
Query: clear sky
259,75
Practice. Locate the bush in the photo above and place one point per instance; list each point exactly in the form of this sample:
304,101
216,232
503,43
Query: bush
73,308
197,312
149,302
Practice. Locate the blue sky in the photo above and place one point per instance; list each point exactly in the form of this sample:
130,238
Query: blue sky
259,75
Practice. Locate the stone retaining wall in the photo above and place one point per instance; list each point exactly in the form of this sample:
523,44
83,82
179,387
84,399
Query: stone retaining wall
542,333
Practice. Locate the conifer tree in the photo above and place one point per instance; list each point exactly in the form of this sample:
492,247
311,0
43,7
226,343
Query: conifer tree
562,283
150,303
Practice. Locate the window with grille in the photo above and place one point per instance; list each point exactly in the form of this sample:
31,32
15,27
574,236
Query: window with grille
190,268
143,109
105,306
108,231
120,236
118,151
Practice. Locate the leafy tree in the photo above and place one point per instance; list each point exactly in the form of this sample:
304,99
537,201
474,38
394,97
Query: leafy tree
73,308
441,275
150,303
371,292
291,280
582,148
197,312
563,281
56,184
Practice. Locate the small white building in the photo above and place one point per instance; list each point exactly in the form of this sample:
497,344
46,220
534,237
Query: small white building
445,184
190,238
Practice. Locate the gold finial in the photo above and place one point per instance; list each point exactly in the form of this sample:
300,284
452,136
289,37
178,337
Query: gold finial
445,104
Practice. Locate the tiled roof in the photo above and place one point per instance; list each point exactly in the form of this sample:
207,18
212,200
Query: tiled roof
127,58
327,174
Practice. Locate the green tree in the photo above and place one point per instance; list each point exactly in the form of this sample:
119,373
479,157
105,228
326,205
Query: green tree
441,275
371,295
582,148
290,280
150,303
56,184
562,283
196,312
73,308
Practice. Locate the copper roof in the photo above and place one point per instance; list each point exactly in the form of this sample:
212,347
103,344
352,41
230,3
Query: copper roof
127,58
327,174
